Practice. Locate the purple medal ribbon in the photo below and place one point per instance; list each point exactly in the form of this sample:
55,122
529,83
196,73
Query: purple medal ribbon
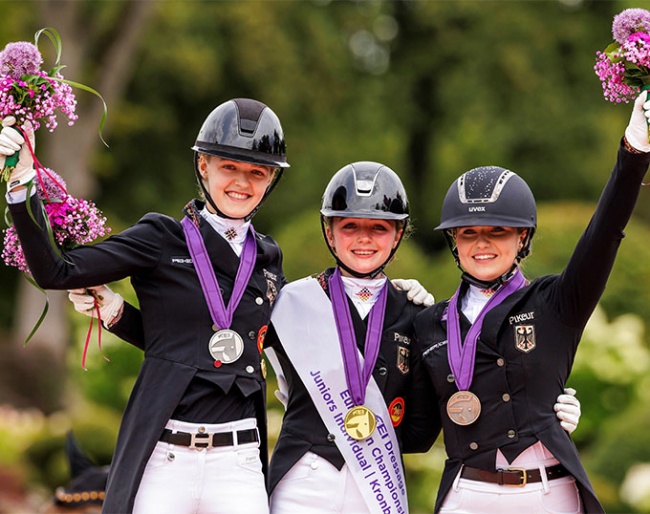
221,315
357,380
462,356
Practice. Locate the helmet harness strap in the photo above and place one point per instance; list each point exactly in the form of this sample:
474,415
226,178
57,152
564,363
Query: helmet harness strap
499,281
372,274
276,178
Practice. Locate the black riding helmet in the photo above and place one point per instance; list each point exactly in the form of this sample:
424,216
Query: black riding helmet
365,190
489,196
243,130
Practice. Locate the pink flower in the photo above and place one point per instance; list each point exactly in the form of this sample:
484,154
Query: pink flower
74,221
611,75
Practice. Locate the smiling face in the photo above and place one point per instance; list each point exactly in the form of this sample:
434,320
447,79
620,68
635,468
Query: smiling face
235,187
362,245
486,253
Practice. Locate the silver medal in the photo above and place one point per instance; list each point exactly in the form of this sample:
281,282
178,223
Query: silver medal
226,346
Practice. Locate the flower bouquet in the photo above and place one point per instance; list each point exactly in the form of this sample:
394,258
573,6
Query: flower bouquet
31,94
624,66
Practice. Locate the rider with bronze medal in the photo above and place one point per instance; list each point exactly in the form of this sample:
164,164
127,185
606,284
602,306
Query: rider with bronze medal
506,451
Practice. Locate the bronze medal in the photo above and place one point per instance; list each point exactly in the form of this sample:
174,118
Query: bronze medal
226,346
360,422
463,408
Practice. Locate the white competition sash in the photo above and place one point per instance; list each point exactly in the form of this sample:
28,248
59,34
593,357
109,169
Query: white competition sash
304,322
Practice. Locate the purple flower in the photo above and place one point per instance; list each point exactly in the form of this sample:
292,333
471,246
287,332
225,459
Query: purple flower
51,186
628,22
20,58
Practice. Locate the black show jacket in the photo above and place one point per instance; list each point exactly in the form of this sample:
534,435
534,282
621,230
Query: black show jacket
302,427
176,323
518,388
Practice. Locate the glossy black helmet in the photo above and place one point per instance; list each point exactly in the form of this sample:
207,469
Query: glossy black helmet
244,130
365,190
368,190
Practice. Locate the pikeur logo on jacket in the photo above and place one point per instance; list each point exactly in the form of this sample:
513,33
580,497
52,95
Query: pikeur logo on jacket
527,346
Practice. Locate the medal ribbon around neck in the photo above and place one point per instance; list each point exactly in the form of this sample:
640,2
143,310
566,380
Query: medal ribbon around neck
221,315
356,378
462,356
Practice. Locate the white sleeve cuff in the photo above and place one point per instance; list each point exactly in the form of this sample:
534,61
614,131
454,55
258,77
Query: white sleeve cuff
18,196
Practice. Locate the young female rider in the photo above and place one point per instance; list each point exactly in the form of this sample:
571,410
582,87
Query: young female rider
500,350
205,286
340,346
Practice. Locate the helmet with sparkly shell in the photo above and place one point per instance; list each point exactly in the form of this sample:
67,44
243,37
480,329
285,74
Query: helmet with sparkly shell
489,196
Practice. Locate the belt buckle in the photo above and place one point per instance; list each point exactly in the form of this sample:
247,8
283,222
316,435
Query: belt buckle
202,439
523,478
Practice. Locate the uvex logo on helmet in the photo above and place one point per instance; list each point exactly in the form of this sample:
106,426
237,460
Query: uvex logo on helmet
489,196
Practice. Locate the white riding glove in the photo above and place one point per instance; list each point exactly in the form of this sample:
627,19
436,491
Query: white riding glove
12,141
110,303
567,410
636,132
415,292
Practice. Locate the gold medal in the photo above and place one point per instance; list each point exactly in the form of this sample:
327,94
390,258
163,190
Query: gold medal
463,408
226,346
360,422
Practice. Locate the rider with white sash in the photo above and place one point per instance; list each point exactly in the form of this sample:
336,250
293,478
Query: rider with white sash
340,346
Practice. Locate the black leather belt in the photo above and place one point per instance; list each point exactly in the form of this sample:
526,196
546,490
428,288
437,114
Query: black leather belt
513,476
202,440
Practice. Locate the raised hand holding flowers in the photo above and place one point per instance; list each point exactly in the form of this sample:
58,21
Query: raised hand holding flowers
31,95
624,66
30,99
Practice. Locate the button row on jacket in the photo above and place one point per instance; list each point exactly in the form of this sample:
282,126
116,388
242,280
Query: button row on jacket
474,445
